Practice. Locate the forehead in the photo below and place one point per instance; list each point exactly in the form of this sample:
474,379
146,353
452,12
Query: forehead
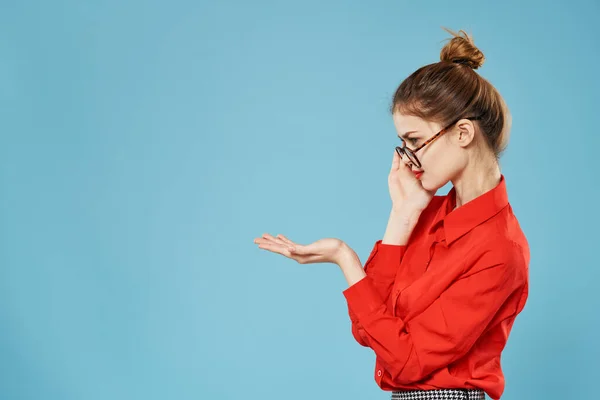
408,123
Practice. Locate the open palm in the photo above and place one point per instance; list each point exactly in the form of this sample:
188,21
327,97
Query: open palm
325,250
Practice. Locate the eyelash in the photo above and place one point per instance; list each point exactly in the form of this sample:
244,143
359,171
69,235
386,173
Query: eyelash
412,141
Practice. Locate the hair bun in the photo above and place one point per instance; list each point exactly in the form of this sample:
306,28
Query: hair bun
461,50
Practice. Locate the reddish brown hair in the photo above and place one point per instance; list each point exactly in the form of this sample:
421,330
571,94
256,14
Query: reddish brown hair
449,89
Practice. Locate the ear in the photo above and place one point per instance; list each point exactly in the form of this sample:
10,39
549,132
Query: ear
464,132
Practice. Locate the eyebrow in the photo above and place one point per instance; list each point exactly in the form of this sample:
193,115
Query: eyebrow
405,135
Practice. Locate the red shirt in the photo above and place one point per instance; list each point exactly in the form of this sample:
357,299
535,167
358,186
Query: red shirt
437,312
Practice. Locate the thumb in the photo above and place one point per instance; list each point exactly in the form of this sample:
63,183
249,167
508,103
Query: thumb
309,249
298,249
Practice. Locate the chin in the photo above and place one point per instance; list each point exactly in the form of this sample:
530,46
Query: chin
431,184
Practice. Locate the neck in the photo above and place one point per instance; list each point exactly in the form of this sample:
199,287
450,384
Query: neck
476,179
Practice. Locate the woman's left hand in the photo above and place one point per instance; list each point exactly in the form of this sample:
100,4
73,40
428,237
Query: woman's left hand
327,250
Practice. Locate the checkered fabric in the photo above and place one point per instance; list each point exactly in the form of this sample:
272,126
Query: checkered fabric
440,394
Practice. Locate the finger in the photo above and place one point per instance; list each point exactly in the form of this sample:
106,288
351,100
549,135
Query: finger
396,160
275,248
286,240
263,241
270,238
405,167
273,239
284,250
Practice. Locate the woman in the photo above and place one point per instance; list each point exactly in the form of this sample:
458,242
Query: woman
439,293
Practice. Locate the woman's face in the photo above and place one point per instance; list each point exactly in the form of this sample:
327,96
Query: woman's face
441,160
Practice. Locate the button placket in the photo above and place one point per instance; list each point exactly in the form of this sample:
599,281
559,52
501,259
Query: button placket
395,296
431,251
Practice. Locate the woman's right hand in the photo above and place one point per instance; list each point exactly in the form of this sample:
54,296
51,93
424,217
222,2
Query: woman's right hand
406,191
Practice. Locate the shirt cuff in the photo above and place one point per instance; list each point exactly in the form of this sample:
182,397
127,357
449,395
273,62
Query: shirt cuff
388,259
363,298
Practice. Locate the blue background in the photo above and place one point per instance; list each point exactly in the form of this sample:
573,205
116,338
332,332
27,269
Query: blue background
145,144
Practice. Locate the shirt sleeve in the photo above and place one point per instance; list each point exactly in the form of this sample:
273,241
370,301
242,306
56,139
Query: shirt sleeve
446,330
381,265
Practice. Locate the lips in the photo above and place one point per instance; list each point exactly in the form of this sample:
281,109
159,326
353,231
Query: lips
418,174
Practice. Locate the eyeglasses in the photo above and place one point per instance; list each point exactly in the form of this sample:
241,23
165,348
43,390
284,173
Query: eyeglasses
401,150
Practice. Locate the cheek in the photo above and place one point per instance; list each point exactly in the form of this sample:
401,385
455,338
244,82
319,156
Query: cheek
439,167
435,161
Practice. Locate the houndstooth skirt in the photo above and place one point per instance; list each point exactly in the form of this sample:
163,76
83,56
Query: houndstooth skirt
440,394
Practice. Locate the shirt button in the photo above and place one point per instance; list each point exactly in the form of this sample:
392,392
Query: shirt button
379,373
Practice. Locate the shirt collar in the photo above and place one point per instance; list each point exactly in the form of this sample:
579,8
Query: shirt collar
457,222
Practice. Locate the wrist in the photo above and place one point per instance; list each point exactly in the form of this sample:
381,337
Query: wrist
345,254
406,215
350,266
